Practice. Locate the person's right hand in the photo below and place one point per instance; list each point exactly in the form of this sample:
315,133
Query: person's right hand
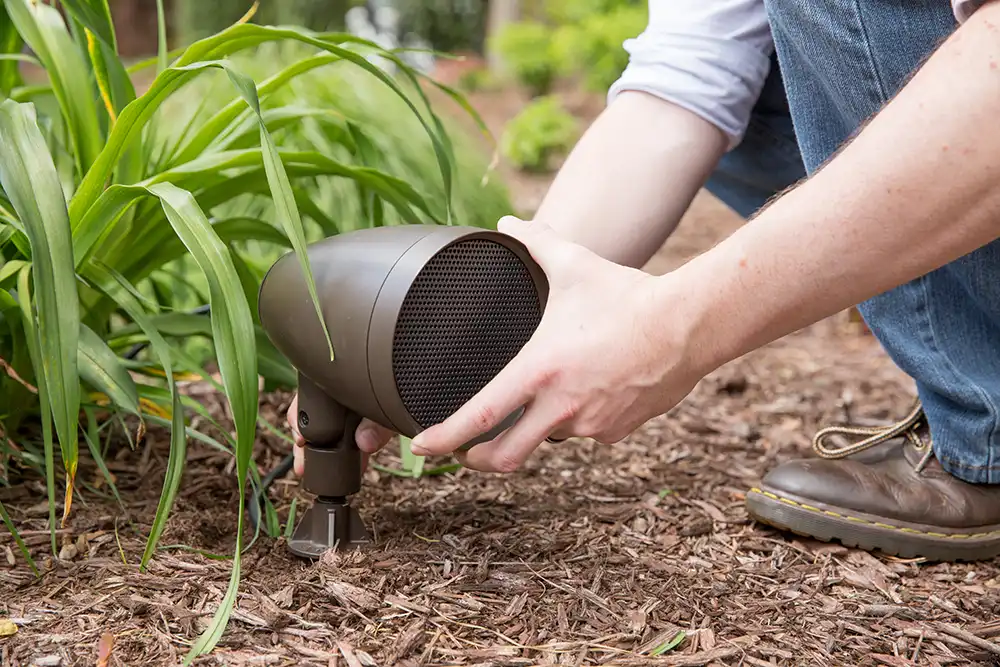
370,437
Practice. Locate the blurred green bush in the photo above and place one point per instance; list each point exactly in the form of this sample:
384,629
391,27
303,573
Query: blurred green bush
592,48
196,19
544,130
571,38
526,48
449,26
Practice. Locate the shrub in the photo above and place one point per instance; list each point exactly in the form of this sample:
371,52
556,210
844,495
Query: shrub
476,80
103,192
446,25
197,19
526,48
593,48
542,131
562,12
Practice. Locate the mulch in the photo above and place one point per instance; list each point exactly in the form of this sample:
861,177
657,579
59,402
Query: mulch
635,554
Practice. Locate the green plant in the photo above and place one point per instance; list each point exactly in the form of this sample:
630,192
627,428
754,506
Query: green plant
542,131
446,25
477,79
197,19
593,47
526,48
562,12
103,195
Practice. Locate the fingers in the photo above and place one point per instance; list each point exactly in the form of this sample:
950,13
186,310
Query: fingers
511,449
502,396
372,437
540,239
298,450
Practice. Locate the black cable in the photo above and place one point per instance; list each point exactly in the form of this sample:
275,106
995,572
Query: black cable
256,502
256,507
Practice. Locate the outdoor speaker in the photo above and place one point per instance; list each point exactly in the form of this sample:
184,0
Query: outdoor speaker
421,317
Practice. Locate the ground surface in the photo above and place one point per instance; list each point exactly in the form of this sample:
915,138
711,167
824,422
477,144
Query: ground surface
589,555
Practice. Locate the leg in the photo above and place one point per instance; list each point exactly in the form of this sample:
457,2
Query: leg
767,161
843,60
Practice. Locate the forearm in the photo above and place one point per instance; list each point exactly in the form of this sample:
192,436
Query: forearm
918,188
631,177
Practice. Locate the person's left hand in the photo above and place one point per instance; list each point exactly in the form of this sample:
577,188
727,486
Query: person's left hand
612,351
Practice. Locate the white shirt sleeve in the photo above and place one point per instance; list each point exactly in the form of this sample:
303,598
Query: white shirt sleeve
966,8
710,57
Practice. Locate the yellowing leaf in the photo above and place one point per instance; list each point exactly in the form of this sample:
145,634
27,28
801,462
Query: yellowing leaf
7,628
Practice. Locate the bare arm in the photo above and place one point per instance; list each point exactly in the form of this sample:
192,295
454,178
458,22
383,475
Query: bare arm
631,177
918,188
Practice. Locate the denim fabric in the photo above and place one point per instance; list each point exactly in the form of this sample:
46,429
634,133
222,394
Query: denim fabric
840,62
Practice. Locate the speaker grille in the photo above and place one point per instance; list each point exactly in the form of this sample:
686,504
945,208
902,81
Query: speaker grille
468,313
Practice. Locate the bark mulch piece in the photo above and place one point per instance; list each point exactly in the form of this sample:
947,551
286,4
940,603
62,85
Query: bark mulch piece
636,554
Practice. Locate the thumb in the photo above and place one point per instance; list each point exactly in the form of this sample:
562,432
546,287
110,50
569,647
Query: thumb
541,240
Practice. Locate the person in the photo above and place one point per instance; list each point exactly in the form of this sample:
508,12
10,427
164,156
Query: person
860,140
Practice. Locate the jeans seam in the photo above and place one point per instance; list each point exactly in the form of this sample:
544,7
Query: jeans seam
957,373
965,466
871,56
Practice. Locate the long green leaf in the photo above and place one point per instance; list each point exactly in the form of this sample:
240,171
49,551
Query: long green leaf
90,436
10,44
232,325
161,37
100,367
42,27
34,351
94,15
20,541
29,178
121,292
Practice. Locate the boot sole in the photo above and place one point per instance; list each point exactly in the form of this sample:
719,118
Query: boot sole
832,524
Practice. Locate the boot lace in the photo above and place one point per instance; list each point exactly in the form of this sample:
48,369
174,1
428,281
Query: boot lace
870,435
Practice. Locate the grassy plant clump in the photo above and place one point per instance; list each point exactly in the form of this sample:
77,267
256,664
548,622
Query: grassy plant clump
572,38
592,48
543,131
114,196
526,49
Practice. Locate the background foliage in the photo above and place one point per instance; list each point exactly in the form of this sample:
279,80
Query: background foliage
571,38
540,133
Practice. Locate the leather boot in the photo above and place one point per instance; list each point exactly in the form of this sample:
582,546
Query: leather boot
887,492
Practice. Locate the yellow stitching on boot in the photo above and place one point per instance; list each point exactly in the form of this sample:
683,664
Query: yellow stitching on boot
809,508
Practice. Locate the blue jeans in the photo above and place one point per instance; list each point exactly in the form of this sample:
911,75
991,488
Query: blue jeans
840,62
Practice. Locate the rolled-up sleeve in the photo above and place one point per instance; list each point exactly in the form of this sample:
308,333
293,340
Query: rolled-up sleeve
710,57
964,9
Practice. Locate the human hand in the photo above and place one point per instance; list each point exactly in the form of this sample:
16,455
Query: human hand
370,437
612,351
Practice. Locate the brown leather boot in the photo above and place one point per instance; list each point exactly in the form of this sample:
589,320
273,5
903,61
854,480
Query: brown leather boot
886,492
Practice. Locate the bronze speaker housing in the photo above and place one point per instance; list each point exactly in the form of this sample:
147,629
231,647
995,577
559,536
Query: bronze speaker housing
421,318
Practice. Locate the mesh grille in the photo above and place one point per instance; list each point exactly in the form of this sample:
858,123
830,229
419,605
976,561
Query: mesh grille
467,314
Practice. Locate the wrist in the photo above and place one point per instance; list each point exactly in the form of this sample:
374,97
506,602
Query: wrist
710,318
686,330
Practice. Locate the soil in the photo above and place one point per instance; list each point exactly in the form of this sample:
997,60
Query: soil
589,555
